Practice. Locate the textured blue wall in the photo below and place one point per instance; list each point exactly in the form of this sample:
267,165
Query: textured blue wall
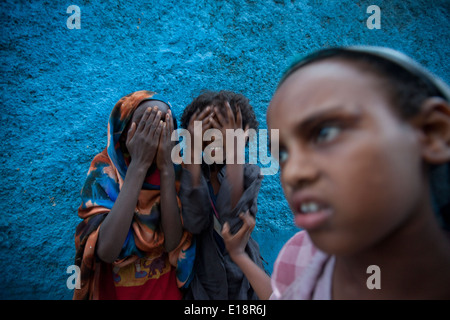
59,85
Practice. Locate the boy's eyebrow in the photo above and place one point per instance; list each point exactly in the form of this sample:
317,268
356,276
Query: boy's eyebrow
330,112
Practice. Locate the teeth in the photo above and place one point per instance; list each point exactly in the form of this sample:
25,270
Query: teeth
309,207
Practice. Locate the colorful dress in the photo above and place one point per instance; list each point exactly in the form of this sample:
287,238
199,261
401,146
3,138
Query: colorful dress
143,270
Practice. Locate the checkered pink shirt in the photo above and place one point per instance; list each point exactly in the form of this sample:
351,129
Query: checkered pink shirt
302,271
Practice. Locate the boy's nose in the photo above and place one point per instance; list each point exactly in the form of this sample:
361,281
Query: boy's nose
299,171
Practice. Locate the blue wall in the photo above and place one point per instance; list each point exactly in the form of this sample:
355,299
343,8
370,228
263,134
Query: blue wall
59,85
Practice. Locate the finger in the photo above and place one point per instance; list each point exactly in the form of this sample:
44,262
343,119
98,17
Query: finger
157,117
131,132
214,123
230,114
169,130
150,118
157,131
244,231
222,121
206,120
248,220
238,117
163,136
154,124
207,125
226,232
169,119
144,119
166,129
246,228
204,113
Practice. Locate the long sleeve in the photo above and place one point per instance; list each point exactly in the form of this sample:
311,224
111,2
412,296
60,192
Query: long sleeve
248,200
196,204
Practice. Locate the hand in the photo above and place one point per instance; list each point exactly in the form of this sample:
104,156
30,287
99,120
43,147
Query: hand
236,243
163,157
204,117
142,139
228,122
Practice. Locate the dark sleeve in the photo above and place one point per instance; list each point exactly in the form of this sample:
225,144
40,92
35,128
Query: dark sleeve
195,204
440,188
248,200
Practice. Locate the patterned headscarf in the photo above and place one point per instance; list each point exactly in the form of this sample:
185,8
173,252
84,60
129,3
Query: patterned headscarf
103,184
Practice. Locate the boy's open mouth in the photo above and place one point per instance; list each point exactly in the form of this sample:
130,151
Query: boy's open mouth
310,207
310,213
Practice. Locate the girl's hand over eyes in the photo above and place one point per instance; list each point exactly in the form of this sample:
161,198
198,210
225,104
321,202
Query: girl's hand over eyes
143,138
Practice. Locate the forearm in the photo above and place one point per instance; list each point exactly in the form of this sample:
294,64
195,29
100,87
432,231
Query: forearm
170,212
196,171
235,177
116,225
257,277
195,203
194,167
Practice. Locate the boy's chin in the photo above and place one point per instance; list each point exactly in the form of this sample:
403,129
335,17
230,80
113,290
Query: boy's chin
335,244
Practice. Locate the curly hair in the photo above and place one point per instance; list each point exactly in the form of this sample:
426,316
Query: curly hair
213,98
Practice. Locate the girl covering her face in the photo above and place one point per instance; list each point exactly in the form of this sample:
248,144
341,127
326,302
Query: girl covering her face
131,244
212,195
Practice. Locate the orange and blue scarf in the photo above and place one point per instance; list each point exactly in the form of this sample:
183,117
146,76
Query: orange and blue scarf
103,183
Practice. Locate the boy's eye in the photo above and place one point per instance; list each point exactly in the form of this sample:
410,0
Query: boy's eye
327,133
282,156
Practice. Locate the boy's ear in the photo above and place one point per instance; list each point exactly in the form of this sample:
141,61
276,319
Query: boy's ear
434,124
